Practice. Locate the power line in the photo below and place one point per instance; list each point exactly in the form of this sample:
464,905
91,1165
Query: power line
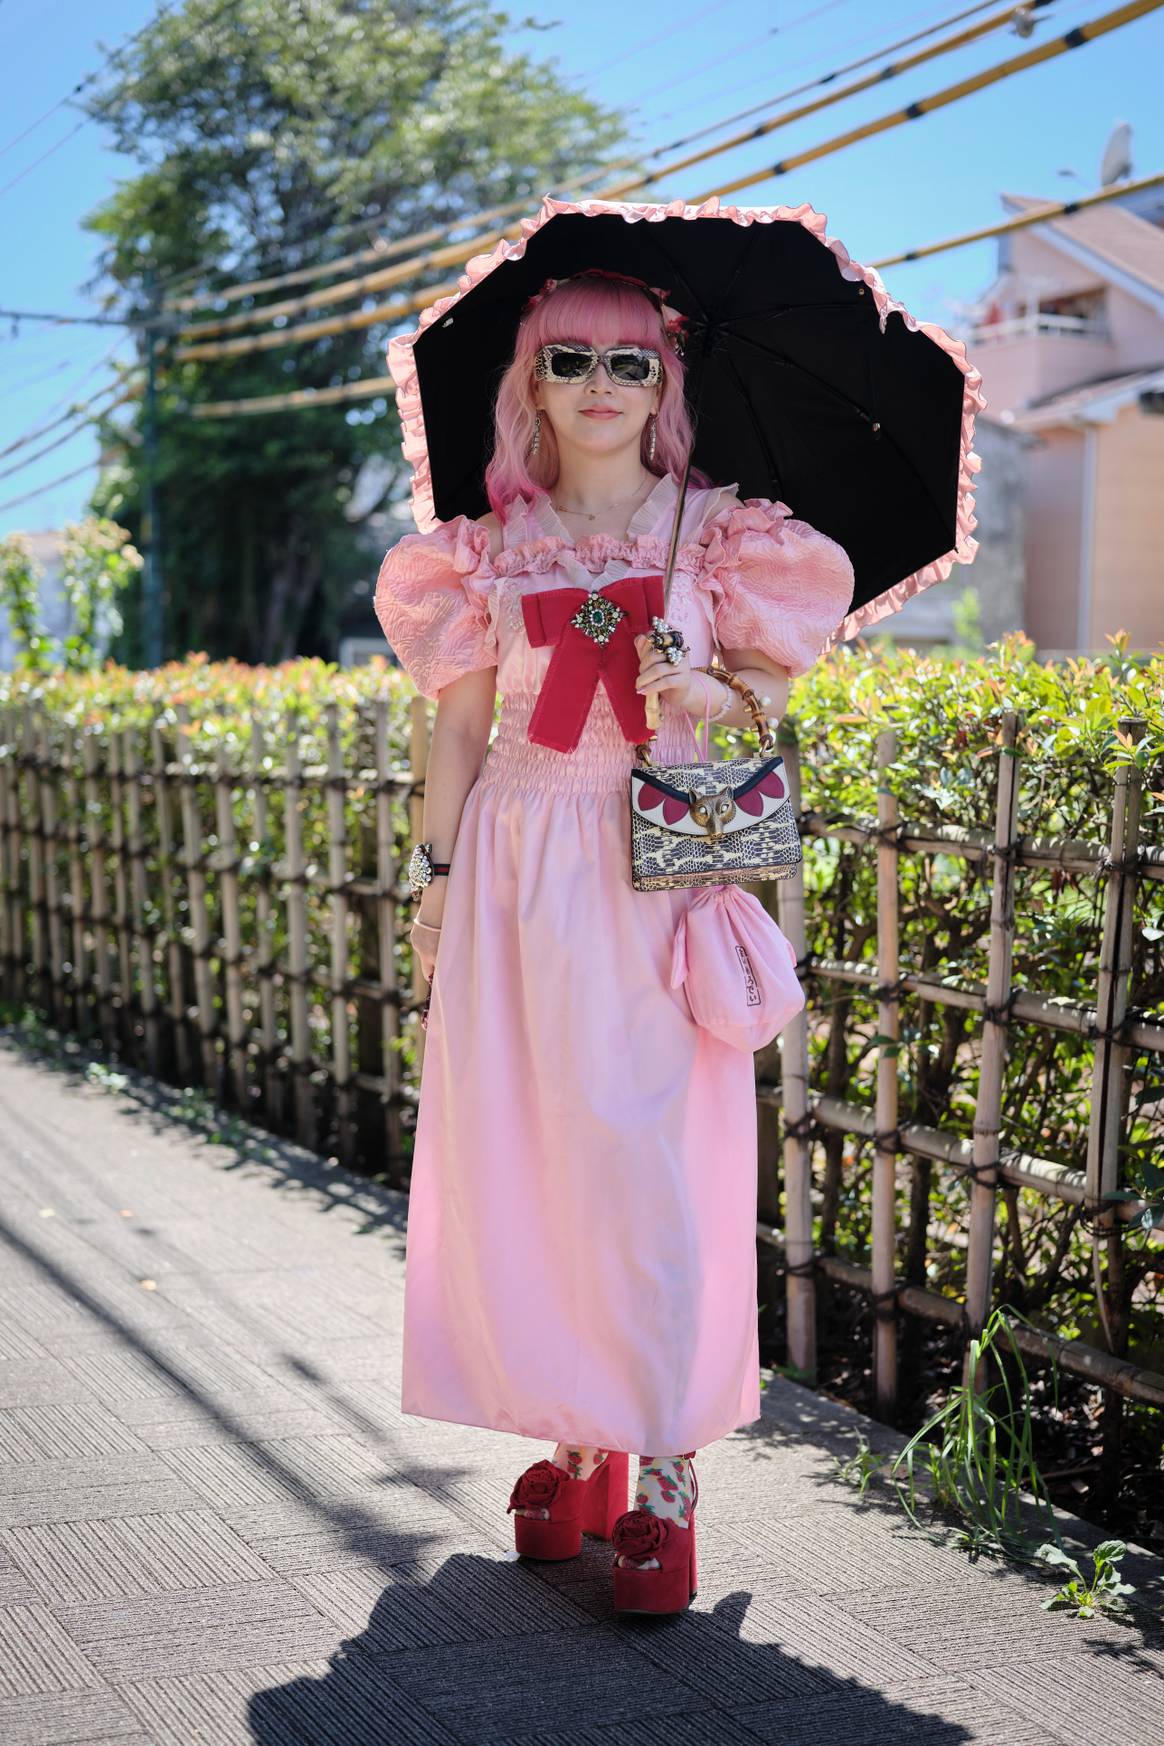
826,78
81,84
99,108
454,254
379,252
41,376
67,437
198,347
815,55
97,364
646,42
382,251
1072,39
72,413
78,320
376,252
422,239
39,490
894,70
407,306
298,398
55,369
364,318
384,384
741,48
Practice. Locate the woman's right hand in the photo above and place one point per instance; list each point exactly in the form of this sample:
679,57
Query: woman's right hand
425,938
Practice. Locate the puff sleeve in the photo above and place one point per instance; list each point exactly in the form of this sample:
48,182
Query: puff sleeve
776,583
433,603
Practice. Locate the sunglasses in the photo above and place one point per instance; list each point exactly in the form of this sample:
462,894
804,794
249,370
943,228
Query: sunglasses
629,366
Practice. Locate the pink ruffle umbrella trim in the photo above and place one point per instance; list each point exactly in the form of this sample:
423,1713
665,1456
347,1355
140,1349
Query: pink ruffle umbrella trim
402,366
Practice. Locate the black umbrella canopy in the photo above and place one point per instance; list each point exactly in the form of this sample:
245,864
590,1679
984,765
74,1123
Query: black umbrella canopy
796,391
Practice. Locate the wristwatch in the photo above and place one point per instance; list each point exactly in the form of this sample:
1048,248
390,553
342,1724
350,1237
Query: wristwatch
422,869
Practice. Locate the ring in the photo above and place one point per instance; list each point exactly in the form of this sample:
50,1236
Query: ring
668,640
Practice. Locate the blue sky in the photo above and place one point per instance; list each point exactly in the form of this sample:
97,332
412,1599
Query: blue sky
678,68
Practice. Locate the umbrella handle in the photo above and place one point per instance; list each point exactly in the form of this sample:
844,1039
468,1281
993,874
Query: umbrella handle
651,698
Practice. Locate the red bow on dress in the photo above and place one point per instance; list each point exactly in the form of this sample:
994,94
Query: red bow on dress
603,649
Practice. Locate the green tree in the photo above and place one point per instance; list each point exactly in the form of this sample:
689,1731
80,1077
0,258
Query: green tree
263,131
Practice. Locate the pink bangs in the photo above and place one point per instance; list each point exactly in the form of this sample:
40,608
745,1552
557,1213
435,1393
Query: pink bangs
602,312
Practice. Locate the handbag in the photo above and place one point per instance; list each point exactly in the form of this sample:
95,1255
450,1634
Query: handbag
729,822
736,967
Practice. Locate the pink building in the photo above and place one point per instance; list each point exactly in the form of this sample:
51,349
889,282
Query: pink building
1070,342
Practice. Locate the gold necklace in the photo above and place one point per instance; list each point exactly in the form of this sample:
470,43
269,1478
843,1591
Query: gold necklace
561,509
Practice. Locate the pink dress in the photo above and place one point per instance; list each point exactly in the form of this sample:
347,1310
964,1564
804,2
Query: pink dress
581,1248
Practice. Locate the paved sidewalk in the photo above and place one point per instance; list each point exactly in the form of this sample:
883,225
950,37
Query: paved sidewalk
217,1527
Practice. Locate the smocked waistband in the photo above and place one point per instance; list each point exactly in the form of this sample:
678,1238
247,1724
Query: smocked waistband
599,763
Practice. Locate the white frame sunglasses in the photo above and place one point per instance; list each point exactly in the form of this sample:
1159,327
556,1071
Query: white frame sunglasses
634,358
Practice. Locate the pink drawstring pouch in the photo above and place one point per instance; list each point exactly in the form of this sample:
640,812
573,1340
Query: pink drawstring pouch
737,968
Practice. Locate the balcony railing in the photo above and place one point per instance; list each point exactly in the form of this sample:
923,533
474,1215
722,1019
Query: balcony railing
1066,326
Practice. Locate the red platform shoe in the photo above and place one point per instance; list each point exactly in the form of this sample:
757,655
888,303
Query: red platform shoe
638,1534
576,1506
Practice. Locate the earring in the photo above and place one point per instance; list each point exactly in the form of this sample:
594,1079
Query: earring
536,439
652,438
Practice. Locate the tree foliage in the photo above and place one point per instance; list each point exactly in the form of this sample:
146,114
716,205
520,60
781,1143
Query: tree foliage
265,134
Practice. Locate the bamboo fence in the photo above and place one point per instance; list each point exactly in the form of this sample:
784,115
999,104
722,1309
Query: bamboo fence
276,981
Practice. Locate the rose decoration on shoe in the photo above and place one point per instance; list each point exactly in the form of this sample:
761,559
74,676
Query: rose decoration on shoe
638,1534
537,1487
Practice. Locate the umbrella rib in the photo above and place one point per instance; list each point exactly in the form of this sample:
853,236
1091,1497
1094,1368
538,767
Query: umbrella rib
821,381
768,351
757,427
681,277
768,313
712,324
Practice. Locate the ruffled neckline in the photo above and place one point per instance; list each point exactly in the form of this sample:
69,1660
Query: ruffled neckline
647,541
706,547
640,548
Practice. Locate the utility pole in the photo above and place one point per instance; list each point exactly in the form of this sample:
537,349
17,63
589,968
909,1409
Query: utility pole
151,524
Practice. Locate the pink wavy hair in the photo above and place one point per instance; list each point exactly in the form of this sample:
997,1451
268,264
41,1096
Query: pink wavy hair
603,310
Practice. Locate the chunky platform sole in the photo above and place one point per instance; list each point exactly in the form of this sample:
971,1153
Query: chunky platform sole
585,1506
658,1591
671,1586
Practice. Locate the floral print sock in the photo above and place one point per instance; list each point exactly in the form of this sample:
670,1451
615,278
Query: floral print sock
665,1488
576,1459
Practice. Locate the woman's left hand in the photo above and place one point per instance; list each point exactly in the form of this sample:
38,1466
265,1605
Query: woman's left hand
656,673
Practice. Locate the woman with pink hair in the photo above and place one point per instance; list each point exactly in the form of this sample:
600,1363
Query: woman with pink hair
581,1255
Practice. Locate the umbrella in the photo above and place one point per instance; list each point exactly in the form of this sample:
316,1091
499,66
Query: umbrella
810,383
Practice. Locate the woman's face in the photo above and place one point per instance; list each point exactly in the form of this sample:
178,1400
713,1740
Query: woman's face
598,416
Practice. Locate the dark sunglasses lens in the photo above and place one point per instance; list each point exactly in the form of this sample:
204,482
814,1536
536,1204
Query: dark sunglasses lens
570,366
629,366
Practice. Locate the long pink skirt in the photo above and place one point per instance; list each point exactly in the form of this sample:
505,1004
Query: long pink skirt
581,1249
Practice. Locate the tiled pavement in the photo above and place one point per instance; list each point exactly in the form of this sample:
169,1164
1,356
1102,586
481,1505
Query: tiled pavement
217,1527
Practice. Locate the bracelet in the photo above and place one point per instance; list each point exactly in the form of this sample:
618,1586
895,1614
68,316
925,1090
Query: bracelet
428,927
724,706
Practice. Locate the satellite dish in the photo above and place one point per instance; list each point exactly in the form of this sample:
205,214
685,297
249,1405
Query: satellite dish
372,480
1117,155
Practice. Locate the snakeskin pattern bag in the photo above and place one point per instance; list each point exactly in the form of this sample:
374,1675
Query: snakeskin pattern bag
727,823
